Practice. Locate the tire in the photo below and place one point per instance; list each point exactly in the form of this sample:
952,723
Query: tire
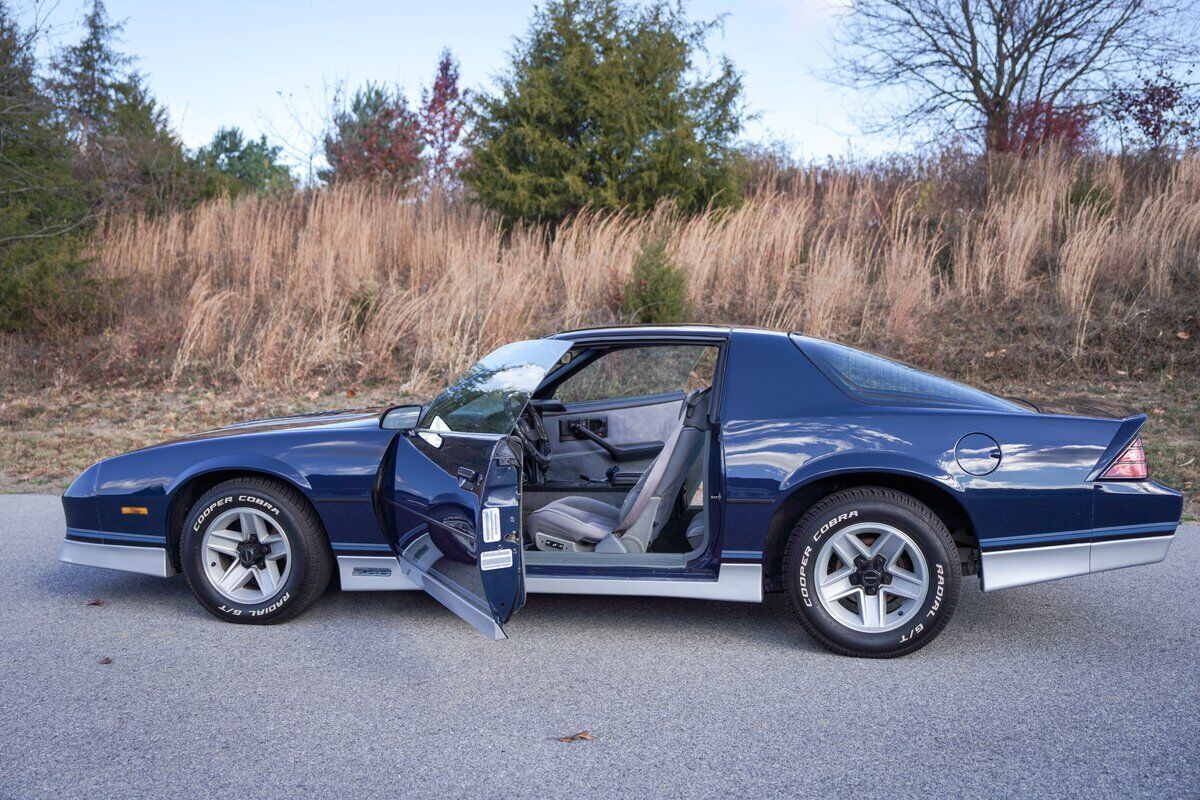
893,604
282,541
452,546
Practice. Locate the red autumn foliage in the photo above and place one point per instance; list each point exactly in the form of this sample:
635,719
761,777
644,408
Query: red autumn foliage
442,117
377,137
1037,124
1159,108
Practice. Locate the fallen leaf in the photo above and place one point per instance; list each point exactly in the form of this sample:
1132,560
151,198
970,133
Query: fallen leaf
95,601
313,395
106,661
1182,335
582,736
350,393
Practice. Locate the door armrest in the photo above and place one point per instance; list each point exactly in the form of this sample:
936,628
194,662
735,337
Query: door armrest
619,452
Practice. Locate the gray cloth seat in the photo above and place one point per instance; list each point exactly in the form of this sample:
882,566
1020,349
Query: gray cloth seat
697,529
584,520
581,524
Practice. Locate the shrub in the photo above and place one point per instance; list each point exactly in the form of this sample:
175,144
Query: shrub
1086,194
656,290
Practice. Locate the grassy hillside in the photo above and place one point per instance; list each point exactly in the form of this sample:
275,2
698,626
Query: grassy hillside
1041,277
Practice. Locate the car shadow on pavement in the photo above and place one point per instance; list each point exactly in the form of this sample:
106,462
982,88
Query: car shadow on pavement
1002,620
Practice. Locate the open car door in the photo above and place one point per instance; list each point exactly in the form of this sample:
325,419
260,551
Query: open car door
453,501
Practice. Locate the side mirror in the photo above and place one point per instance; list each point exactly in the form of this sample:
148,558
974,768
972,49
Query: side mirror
401,418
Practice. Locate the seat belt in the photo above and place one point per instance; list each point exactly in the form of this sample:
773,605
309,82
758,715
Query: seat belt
656,472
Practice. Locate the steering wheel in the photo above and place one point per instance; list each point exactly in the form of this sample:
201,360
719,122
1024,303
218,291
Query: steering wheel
535,443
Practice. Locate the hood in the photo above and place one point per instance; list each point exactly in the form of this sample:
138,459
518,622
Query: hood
354,418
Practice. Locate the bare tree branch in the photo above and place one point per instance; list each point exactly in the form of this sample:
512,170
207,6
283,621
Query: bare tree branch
979,61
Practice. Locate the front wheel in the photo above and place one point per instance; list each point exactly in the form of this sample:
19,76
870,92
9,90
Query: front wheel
254,552
872,572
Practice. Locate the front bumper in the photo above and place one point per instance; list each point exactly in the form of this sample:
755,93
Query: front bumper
1004,569
145,560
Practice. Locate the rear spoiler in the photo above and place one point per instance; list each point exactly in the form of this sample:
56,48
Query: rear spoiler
1128,429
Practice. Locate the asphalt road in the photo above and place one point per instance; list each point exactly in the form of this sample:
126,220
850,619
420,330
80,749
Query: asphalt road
1082,687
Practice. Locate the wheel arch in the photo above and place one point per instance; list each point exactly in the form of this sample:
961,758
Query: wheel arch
191,488
940,500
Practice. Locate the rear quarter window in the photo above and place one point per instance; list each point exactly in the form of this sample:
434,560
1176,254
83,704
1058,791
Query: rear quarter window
881,381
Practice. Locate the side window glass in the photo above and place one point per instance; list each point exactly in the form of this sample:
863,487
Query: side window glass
640,371
704,371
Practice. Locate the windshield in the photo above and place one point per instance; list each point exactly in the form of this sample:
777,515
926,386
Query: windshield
489,396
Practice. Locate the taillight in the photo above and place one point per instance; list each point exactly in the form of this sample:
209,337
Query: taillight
1130,465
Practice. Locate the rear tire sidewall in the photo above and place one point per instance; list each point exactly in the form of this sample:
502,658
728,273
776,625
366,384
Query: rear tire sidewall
815,529
280,509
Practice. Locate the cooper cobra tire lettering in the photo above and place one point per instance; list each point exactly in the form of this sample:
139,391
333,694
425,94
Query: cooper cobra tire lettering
258,501
804,595
833,524
208,511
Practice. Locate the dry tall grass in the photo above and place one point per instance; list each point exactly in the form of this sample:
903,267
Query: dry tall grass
362,283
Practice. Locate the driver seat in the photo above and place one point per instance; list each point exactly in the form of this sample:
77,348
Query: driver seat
583,524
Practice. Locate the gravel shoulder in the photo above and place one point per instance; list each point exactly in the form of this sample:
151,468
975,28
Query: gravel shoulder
1086,686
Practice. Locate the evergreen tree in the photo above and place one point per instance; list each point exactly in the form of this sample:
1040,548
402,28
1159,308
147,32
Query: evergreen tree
235,165
126,153
42,210
139,164
603,104
88,77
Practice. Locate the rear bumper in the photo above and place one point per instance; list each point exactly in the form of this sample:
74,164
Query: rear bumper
1004,569
143,560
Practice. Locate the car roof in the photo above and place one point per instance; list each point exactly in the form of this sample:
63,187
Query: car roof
645,331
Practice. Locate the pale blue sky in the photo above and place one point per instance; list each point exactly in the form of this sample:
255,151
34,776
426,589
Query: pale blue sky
270,66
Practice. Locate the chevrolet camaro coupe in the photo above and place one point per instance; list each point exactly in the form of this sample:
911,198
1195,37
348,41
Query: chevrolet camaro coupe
672,461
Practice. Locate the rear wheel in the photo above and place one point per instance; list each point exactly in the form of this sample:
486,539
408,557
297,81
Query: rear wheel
872,572
254,552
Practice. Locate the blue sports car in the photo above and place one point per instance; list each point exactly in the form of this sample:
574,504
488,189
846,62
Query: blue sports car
671,461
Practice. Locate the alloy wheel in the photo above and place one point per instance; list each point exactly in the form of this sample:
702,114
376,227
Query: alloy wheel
247,557
871,577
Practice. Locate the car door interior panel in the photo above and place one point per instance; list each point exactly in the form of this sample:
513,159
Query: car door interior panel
631,432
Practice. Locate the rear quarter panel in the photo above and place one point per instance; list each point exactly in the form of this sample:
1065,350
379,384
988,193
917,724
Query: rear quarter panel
784,425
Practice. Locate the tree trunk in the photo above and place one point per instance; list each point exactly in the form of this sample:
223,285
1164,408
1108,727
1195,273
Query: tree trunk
996,127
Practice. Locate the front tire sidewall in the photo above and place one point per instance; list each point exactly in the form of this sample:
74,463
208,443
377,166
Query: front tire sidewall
929,619
203,513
